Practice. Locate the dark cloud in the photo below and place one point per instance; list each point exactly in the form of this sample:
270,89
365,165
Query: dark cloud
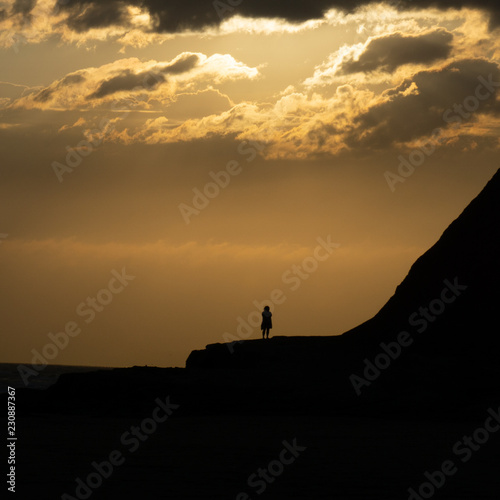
405,115
45,94
179,15
21,10
169,16
71,79
23,7
182,65
127,80
147,80
89,15
491,6
389,52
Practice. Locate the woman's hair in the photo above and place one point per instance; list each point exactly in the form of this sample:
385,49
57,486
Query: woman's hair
266,308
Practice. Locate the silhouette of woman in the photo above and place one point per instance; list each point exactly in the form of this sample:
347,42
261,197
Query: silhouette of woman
267,322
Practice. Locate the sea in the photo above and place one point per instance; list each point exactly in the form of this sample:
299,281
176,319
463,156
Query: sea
10,375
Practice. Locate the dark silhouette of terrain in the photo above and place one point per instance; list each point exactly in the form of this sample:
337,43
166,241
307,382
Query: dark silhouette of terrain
452,361
373,413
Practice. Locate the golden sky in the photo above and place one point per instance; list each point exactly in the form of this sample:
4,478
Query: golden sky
168,167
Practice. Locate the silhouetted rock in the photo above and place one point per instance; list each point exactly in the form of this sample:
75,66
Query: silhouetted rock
467,253
447,305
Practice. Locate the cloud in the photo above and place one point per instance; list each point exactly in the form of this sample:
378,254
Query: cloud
139,23
297,126
20,12
389,52
127,80
304,126
142,84
92,15
420,104
181,64
377,60
177,16
72,79
23,7
343,106
79,123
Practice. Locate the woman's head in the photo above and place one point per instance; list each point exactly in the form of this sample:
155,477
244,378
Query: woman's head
266,308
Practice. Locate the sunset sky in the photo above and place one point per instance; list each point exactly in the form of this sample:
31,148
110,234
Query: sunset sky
165,165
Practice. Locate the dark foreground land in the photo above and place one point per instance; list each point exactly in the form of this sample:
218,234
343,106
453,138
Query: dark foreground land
282,419
212,457
154,433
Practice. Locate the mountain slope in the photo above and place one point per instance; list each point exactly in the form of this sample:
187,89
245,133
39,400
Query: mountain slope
467,256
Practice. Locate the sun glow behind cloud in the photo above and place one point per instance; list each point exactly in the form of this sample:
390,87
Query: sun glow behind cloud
316,117
145,82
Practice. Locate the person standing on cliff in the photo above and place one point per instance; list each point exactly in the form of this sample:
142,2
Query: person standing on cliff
267,322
